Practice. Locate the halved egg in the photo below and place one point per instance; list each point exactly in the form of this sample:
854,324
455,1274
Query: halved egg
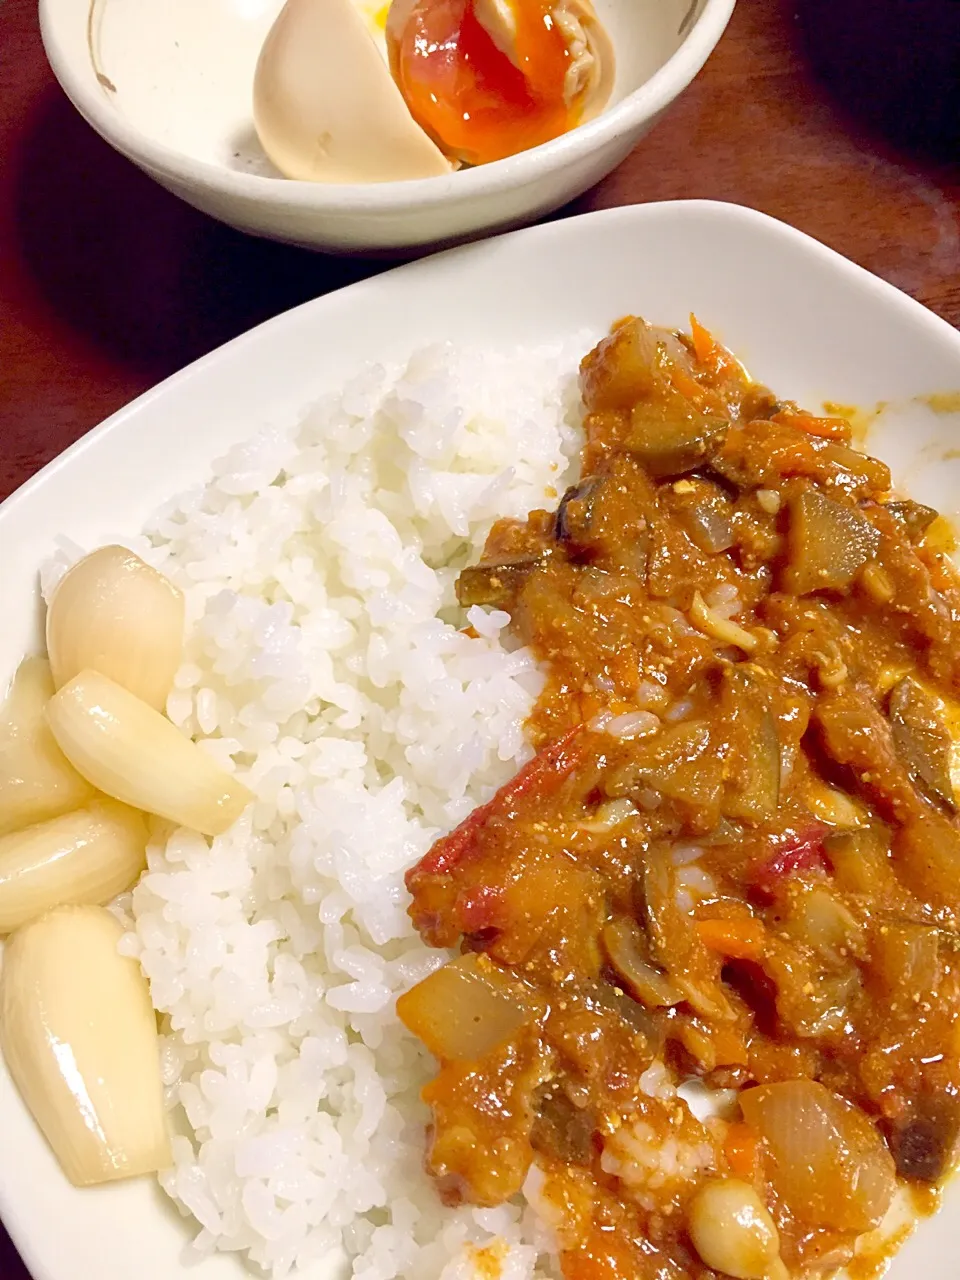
468,81
489,78
325,107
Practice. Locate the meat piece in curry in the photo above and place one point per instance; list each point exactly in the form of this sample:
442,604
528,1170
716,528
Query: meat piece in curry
734,857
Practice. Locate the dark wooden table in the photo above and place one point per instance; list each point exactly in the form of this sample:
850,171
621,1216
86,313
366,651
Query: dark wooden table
108,284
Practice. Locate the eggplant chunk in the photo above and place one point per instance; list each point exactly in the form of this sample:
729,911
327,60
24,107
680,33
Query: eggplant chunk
575,513
922,740
561,1129
495,585
763,454
914,516
854,470
705,512
827,544
670,446
759,402
753,788
628,952
856,734
924,1144
681,762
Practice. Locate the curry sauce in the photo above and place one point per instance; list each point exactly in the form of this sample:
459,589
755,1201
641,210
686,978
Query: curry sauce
734,858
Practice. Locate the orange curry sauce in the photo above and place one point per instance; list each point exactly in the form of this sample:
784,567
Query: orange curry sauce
734,858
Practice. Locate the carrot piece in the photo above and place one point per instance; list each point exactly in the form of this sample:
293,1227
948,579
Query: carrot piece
603,1255
740,1150
728,1041
798,459
711,354
540,776
739,939
627,668
704,343
824,428
943,575
686,386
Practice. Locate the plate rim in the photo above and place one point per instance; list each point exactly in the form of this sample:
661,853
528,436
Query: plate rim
560,227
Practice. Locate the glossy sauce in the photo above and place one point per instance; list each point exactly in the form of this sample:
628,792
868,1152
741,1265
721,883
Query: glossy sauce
735,857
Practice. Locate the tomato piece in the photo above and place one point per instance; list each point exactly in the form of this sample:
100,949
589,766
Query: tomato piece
538,778
479,908
802,853
447,885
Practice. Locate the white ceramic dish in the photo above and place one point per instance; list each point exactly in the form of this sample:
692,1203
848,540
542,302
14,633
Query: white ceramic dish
180,108
810,323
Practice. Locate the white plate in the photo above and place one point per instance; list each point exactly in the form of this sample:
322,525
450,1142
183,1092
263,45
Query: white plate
808,322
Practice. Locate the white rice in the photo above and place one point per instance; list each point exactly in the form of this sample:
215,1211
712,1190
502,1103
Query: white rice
325,666
724,600
657,1161
633,724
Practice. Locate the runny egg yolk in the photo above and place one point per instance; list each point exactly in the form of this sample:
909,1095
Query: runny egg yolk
467,94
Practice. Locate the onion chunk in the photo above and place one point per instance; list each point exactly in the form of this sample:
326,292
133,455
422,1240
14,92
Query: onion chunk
829,1164
463,1010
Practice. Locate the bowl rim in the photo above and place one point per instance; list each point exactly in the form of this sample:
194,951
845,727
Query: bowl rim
502,176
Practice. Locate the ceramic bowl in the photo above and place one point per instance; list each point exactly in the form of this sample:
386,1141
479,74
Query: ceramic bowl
169,85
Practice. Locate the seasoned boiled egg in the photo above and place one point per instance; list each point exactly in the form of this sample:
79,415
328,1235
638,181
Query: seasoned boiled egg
350,94
325,106
489,78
